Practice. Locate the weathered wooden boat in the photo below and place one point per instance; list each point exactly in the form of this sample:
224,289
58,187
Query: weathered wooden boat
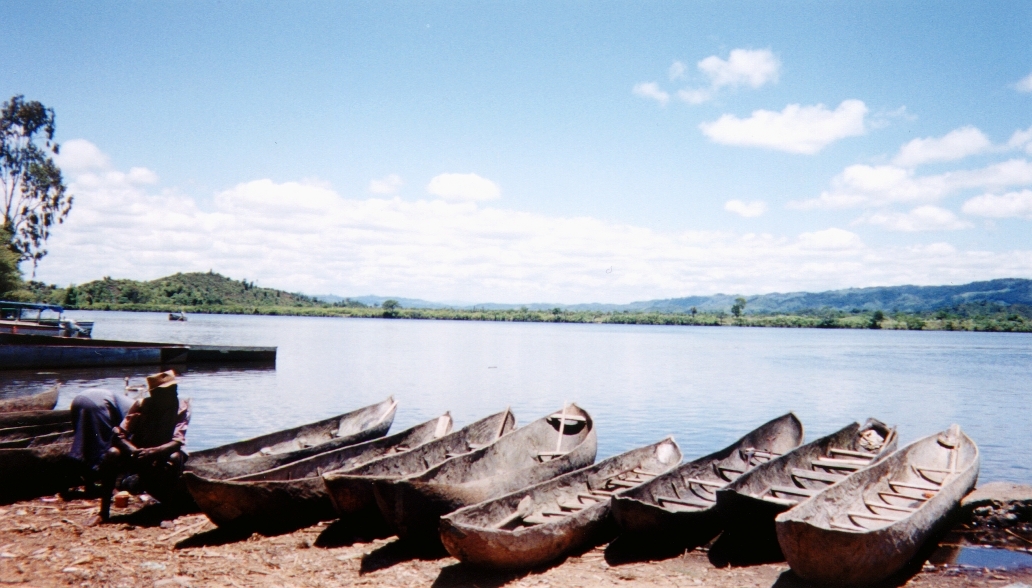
677,510
548,447
352,490
294,495
39,440
38,471
866,528
27,318
30,431
748,505
545,522
45,400
270,451
34,417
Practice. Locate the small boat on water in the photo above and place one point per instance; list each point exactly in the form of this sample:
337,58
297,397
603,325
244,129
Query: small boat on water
45,400
865,529
749,505
547,521
26,318
30,431
34,417
548,447
677,510
352,490
36,471
177,316
273,450
294,495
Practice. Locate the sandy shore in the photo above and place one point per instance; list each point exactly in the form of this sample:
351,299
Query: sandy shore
44,543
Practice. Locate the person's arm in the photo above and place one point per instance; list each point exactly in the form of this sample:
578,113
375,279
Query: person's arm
122,431
178,435
160,451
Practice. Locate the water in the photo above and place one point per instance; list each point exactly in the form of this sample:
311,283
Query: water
706,386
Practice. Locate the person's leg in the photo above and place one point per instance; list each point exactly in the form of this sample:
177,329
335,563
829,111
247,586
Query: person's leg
109,470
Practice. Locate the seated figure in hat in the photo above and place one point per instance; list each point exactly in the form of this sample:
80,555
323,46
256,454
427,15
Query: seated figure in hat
148,444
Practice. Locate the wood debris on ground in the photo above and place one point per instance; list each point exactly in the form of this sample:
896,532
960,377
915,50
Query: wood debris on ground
45,542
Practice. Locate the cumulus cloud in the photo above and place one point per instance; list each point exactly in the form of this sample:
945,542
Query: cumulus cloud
469,187
956,144
796,129
310,238
1024,84
1021,139
386,185
652,91
1011,204
743,67
676,71
79,155
922,218
748,210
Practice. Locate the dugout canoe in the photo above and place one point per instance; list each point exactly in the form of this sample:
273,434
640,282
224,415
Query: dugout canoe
45,400
748,505
548,447
294,495
677,510
866,528
35,417
545,522
351,491
30,431
32,472
39,440
282,447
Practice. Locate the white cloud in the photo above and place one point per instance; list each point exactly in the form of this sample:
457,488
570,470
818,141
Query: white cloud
386,185
1021,139
1025,84
922,218
677,70
303,236
796,129
652,91
463,187
1011,204
743,67
695,96
956,144
748,210
79,155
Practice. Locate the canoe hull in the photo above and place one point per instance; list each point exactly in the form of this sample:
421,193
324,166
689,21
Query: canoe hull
46,400
35,417
33,472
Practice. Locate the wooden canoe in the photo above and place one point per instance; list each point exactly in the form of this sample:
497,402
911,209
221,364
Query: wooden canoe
45,400
545,522
30,431
35,417
866,528
677,510
294,495
32,472
748,506
282,447
548,447
352,490
39,440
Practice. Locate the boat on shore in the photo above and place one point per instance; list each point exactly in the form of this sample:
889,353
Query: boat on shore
45,400
749,505
36,471
866,528
27,318
351,491
677,510
39,440
545,522
548,447
30,431
273,450
294,495
34,417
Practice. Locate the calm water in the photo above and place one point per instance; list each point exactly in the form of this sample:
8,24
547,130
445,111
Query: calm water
705,386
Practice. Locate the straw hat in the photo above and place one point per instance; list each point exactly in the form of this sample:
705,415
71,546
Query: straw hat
162,380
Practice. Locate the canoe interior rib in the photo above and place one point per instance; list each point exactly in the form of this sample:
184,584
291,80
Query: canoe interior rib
45,400
276,449
544,522
352,490
867,527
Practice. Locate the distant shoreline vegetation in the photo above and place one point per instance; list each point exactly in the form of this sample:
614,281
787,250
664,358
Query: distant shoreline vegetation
210,293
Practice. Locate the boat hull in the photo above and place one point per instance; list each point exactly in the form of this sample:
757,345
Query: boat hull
45,400
32,472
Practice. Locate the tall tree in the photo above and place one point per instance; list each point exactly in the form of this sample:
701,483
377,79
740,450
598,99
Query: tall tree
10,275
34,195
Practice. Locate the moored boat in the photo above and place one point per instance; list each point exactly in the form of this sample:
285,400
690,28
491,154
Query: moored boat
45,400
545,522
27,318
35,471
273,450
352,490
749,505
677,510
30,431
294,495
39,440
34,417
866,528
548,447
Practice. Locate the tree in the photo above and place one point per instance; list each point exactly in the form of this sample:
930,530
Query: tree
34,194
390,308
10,274
738,306
876,319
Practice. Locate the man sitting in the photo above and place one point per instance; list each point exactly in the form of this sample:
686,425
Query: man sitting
149,441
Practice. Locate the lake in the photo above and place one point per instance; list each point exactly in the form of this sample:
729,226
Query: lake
706,386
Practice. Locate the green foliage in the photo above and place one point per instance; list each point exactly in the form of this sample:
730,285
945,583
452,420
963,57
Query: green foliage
10,274
738,307
390,308
34,194
876,320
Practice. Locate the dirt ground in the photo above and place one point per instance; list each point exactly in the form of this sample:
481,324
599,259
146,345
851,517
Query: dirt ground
44,543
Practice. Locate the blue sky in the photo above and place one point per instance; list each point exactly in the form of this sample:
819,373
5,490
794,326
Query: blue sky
534,151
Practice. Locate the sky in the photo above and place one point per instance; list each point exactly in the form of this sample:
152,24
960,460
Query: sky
536,151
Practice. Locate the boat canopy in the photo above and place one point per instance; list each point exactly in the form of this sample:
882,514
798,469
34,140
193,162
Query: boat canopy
30,306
